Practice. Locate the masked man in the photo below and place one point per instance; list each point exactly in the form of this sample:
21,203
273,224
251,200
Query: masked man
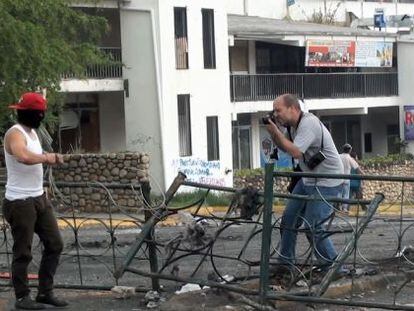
26,207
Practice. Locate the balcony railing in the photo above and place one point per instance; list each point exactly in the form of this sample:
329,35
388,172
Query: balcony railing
263,87
107,71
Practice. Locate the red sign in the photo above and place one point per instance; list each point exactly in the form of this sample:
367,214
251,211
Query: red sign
330,54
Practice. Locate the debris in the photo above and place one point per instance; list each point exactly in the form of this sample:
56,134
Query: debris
301,283
123,292
228,278
188,288
152,295
407,251
152,305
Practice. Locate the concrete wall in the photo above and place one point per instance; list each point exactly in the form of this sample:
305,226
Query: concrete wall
376,122
263,8
112,121
151,114
405,81
208,88
142,118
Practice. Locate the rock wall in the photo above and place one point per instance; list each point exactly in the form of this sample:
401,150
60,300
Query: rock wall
121,168
391,190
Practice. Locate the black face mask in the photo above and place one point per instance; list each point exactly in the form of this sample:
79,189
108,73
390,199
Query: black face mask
30,118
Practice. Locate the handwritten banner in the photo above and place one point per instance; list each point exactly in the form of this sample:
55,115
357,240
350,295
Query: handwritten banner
200,170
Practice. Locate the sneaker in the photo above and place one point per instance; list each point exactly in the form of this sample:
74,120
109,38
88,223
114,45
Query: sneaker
51,299
27,303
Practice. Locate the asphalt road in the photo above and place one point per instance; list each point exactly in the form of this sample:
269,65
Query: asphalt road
236,253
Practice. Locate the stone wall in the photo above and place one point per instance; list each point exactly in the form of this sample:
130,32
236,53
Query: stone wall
121,168
391,190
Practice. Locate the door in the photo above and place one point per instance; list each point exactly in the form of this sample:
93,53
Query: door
242,148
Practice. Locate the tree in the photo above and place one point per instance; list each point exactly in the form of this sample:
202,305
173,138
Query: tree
39,41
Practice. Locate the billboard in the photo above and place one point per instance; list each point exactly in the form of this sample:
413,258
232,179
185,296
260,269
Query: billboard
373,54
408,122
329,53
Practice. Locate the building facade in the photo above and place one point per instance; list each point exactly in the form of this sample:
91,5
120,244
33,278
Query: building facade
197,77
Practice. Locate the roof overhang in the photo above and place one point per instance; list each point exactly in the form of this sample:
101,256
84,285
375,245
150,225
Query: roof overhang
297,33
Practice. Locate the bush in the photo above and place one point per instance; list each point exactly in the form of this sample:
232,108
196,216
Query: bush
399,158
212,199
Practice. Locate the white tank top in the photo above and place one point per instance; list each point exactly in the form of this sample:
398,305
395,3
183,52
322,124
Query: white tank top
24,181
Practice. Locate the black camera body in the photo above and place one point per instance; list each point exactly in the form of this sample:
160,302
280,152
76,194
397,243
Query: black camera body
316,159
269,116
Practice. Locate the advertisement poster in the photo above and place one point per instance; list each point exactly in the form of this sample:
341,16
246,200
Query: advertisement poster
409,122
373,54
266,149
348,54
330,54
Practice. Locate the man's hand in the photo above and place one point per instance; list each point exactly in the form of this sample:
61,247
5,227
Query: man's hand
53,158
281,141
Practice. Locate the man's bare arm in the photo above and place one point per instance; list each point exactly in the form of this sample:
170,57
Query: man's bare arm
15,144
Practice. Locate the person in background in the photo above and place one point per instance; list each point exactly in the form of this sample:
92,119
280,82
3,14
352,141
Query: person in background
349,163
355,184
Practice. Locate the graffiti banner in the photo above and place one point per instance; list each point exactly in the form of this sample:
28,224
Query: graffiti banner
409,122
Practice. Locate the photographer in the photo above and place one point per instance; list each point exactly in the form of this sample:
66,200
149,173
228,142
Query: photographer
313,147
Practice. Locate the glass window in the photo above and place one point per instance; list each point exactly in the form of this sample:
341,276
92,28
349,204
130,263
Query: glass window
209,45
213,150
184,125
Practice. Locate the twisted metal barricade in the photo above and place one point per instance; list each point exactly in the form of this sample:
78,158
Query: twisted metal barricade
227,249
258,249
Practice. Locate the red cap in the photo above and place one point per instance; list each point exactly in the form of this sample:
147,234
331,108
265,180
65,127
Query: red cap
31,101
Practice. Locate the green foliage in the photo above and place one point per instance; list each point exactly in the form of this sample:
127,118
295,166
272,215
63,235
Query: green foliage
40,40
213,198
249,172
399,158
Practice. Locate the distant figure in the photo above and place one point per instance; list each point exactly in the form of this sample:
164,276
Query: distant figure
349,163
355,184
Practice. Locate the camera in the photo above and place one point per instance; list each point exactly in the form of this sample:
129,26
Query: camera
316,159
269,116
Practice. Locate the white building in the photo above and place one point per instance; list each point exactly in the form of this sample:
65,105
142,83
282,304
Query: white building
198,75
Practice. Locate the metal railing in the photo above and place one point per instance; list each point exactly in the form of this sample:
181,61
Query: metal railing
263,87
103,71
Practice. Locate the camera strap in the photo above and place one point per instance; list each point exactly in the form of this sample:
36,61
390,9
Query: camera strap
290,135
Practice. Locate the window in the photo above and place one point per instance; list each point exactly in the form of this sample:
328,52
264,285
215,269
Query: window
368,142
213,150
184,125
209,45
181,41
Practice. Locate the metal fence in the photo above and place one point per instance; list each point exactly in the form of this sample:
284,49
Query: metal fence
113,69
233,248
313,85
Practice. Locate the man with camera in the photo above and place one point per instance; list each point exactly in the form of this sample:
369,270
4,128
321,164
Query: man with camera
312,146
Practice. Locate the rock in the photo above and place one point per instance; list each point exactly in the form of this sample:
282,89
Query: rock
68,178
95,165
115,171
82,162
74,197
96,196
77,178
73,164
82,202
101,161
131,202
122,173
106,173
145,159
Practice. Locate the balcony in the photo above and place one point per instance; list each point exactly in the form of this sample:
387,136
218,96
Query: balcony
266,87
109,71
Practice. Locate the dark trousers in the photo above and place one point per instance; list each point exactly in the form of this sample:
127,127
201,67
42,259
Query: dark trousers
26,217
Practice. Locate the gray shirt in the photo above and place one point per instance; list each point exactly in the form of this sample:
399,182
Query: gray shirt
308,138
